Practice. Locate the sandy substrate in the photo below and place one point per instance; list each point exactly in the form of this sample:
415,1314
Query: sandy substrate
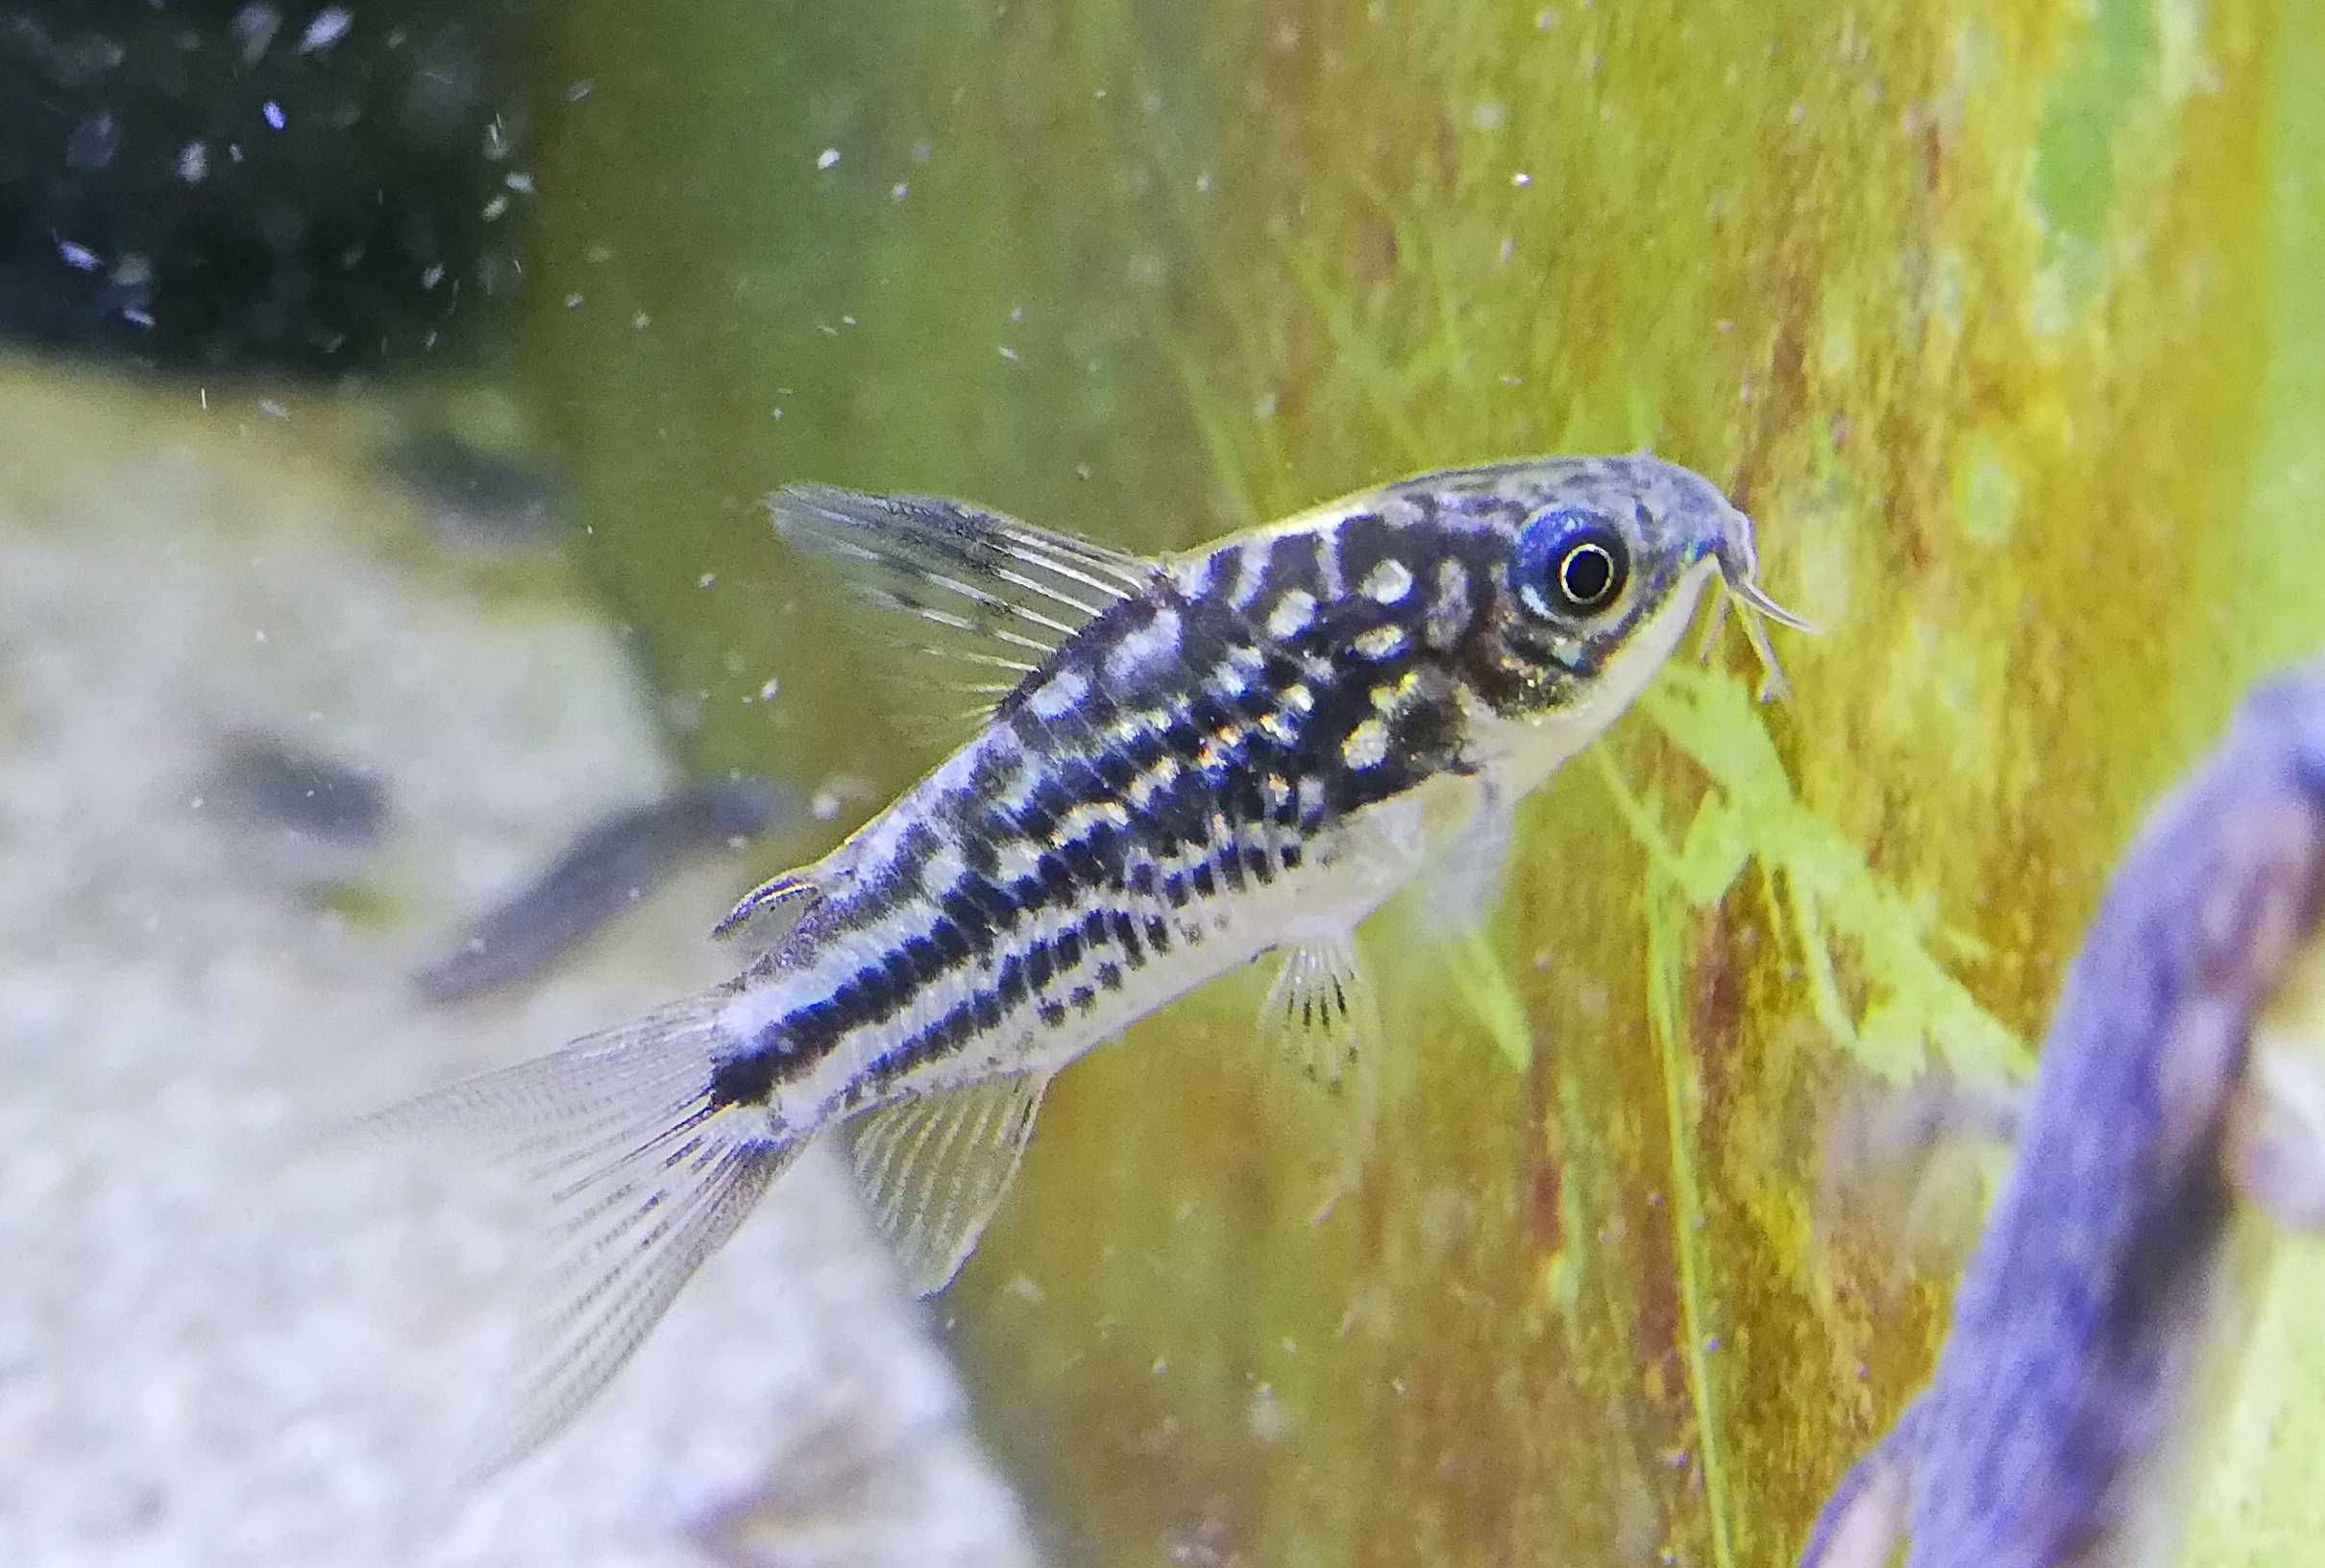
208,1355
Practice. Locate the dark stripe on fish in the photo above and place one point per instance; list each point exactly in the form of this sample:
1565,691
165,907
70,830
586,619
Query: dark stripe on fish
1151,687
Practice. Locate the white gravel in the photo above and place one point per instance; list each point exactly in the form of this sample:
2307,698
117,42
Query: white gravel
210,1356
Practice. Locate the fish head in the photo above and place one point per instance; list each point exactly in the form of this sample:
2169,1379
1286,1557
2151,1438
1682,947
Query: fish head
1604,562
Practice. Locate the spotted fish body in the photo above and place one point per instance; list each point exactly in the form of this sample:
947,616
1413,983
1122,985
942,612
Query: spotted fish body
1260,739
1197,759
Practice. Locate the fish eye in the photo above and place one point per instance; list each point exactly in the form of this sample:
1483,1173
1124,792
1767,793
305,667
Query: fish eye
1571,562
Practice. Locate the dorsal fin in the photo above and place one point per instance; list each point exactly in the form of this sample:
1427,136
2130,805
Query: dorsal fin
986,594
981,587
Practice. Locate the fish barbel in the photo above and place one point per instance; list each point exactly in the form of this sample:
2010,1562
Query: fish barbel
1193,760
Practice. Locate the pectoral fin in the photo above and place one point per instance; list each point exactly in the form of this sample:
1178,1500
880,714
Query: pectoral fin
1459,890
934,1167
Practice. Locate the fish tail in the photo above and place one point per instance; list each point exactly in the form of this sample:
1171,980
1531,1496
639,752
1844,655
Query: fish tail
639,1172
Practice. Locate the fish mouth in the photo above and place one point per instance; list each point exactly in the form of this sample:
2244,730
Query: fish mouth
1739,573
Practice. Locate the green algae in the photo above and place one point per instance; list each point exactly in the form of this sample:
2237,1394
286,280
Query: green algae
1828,894
2077,146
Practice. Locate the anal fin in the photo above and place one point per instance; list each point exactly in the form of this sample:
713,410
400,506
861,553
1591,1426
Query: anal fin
933,1168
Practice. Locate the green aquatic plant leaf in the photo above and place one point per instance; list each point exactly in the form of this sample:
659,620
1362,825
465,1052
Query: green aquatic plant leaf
1828,891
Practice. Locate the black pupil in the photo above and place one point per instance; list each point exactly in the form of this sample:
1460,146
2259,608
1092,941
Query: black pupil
1587,573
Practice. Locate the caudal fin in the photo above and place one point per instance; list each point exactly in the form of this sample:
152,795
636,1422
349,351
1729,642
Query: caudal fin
638,1176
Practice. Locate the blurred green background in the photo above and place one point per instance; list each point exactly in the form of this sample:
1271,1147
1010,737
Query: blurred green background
2002,318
